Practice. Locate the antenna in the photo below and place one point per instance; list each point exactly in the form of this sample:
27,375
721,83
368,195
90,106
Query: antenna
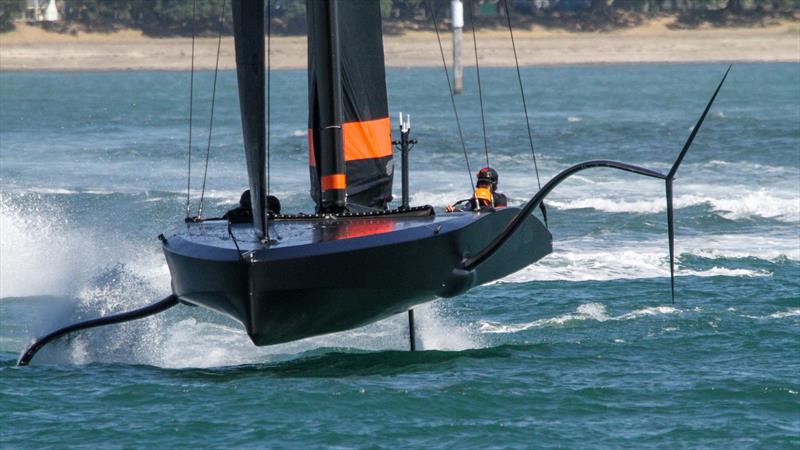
406,145
405,125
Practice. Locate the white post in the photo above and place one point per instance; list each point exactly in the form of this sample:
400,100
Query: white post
457,10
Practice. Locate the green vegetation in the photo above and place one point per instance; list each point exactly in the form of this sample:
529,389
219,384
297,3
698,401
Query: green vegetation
158,17
9,11
174,17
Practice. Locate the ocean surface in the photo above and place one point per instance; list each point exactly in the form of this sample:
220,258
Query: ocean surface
582,350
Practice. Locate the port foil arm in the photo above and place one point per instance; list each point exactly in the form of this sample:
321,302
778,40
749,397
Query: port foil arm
155,308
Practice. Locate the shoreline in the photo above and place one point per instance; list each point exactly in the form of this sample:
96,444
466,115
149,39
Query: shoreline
726,62
33,49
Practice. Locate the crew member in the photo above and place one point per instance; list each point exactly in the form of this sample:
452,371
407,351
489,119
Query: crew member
485,194
244,212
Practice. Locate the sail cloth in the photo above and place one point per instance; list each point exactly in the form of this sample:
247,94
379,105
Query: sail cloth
349,136
248,33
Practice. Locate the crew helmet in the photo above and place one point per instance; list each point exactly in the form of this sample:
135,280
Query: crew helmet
488,174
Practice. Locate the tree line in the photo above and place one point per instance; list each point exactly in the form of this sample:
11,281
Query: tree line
182,17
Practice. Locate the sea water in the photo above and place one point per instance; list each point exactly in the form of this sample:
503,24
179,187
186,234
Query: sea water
582,349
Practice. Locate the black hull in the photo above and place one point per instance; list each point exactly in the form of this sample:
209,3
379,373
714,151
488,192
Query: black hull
325,280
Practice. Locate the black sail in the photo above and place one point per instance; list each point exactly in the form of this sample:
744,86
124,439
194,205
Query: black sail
248,33
349,139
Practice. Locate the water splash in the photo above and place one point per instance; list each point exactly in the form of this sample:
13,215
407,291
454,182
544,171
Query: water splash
41,253
194,342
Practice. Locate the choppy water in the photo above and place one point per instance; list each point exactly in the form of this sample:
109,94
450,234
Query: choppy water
583,349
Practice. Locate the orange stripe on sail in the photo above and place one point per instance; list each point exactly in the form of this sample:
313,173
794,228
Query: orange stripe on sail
335,181
367,139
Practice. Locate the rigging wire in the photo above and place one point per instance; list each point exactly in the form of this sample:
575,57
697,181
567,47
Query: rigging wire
480,90
522,94
452,96
191,107
235,242
542,207
213,101
269,87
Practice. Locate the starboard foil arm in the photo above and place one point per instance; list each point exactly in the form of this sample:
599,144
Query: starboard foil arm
474,261
155,308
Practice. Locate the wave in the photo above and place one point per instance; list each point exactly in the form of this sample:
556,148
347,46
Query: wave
590,259
59,191
768,246
792,312
597,312
747,167
50,190
586,311
215,197
756,204
625,265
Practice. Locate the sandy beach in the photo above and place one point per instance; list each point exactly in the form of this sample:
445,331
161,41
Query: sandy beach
31,48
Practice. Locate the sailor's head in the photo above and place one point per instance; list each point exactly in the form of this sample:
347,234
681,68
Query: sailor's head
487,178
272,203
244,200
